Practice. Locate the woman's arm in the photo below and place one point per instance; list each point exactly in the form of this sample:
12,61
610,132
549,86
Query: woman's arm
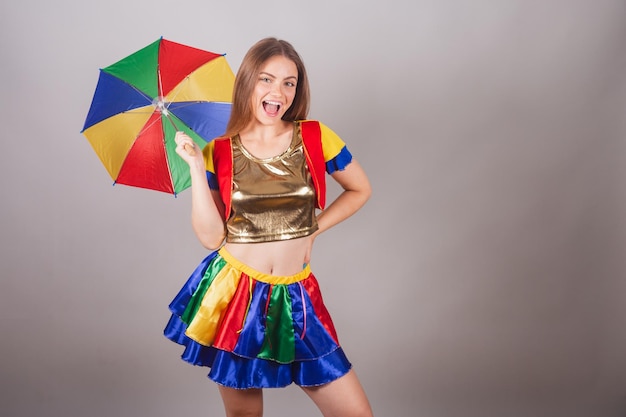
206,204
357,191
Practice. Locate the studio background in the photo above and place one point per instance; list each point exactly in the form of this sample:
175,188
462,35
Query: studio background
484,278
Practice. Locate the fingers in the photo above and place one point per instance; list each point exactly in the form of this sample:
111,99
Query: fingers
191,150
184,144
180,136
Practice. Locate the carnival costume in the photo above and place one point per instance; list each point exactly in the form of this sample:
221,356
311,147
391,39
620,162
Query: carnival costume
256,330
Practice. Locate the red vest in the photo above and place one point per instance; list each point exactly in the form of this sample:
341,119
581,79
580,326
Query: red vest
312,145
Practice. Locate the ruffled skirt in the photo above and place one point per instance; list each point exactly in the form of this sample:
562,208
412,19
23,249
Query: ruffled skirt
255,330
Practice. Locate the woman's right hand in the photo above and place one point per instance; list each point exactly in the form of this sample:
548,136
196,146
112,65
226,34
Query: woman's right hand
186,148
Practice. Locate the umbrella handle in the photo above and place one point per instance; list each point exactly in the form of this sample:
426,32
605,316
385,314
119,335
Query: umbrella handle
190,149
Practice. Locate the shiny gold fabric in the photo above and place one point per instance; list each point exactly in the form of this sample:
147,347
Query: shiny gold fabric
272,199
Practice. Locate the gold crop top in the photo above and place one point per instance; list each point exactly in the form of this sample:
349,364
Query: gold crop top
272,199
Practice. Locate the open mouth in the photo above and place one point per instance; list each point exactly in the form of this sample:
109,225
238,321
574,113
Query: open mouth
271,107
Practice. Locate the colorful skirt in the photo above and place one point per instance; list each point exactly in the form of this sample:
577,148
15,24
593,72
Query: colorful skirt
255,330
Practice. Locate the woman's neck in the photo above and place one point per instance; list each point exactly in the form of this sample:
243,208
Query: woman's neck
258,132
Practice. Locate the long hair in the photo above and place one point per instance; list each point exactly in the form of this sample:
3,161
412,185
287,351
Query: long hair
245,81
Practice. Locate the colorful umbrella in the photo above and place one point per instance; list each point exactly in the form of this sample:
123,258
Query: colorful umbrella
142,100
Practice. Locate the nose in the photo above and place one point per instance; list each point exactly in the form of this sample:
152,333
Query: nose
276,89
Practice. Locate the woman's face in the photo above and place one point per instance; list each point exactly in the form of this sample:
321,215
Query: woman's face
274,90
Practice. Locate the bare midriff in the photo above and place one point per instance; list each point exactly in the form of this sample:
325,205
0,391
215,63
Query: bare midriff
281,257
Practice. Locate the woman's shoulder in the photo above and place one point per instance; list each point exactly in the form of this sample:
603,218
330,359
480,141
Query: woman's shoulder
210,146
216,147
310,121
221,139
323,126
319,128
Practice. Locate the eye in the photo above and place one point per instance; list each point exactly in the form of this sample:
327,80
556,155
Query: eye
265,79
290,84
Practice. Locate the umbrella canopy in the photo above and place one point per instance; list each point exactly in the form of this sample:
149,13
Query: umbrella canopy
142,100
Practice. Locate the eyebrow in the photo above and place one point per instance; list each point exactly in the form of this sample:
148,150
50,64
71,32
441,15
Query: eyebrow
273,76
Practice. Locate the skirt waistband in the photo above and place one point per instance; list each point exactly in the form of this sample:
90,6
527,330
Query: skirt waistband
261,276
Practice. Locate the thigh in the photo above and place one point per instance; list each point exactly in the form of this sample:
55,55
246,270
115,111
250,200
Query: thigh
343,397
242,402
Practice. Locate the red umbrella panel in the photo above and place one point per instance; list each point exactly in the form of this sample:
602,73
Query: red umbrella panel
142,100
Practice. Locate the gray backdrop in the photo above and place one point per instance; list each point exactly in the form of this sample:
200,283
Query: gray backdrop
484,278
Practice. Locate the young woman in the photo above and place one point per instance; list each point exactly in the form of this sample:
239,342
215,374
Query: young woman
252,311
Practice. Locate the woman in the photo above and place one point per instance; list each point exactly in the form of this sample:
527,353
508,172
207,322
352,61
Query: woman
251,311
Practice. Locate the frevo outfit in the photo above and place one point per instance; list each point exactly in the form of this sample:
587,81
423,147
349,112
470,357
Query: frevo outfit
256,330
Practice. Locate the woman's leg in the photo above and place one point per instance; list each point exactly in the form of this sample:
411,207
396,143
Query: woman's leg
242,402
343,397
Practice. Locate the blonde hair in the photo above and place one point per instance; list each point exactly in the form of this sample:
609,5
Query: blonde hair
245,81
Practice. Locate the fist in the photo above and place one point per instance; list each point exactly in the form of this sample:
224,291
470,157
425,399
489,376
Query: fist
184,142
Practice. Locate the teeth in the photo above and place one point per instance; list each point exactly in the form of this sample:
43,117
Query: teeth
275,103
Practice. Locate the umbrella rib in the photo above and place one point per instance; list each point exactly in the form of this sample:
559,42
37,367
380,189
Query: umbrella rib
147,126
146,96
181,104
167,157
169,118
167,104
165,113
178,89
160,81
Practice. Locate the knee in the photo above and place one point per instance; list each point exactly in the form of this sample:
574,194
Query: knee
242,403
244,412
366,412
360,410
